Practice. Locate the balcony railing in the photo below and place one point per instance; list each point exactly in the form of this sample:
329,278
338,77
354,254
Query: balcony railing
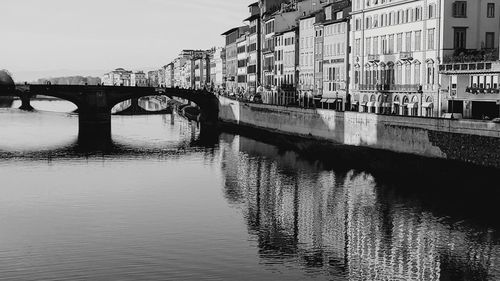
406,55
466,66
268,50
472,56
390,88
477,90
373,58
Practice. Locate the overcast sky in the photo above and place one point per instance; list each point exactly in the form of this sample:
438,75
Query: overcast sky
41,38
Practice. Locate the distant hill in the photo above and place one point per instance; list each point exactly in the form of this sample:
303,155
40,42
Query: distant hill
71,80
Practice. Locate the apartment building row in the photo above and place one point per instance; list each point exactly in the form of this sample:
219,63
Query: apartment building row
402,57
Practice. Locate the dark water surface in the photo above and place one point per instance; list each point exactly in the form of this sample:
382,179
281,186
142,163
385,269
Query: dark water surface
164,202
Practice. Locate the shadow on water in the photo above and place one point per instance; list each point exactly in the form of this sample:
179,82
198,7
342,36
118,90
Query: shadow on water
363,214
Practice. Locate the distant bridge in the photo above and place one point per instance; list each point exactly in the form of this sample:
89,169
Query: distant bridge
95,102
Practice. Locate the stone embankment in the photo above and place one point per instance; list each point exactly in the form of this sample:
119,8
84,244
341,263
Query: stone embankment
471,141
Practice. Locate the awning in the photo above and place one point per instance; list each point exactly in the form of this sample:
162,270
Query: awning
412,105
328,100
364,103
355,102
370,104
378,104
386,104
427,104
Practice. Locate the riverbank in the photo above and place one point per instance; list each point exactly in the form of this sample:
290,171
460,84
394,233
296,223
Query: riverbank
460,140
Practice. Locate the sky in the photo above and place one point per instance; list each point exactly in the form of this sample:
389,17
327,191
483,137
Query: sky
49,38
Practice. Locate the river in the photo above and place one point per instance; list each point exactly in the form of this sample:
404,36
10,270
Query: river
163,201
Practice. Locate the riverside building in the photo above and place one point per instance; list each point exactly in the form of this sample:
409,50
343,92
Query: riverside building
242,57
253,48
399,45
232,36
117,77
138,79
336,57
396,46
470,68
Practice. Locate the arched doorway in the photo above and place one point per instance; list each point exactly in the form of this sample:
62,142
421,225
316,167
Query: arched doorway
396,110
404,106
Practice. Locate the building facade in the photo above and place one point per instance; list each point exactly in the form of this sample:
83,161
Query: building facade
242,57
335,92
117,77
138,79
231,49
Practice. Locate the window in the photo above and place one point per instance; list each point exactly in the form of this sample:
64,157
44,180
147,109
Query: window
460,35
408,41
430,12
368,46
391,44
384,45
416,76
490,10
408,74
418,13
399,46
460,9
490,40
430,39
430,73
418,40
375,45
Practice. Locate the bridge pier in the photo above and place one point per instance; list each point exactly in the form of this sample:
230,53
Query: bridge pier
94,123
25,103
134,106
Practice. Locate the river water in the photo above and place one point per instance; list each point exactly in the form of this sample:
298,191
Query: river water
162,201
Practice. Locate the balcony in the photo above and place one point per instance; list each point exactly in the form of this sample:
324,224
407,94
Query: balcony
373,58
478,90
470,67
471,56
268,50
390,88
406,55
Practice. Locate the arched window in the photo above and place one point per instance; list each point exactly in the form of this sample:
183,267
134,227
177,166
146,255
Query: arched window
382,73
430,72
356,74
368,75
390,73
399,74
406,100
408,73
416,74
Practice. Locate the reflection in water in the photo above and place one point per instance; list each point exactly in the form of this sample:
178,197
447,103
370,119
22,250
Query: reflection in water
146,203
344,224
152,103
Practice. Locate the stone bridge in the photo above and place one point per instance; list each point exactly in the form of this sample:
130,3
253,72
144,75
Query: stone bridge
95,102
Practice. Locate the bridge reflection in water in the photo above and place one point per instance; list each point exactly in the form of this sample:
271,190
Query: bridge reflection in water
348,223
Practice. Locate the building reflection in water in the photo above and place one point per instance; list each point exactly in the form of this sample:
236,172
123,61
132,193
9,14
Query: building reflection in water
152,103
341,224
